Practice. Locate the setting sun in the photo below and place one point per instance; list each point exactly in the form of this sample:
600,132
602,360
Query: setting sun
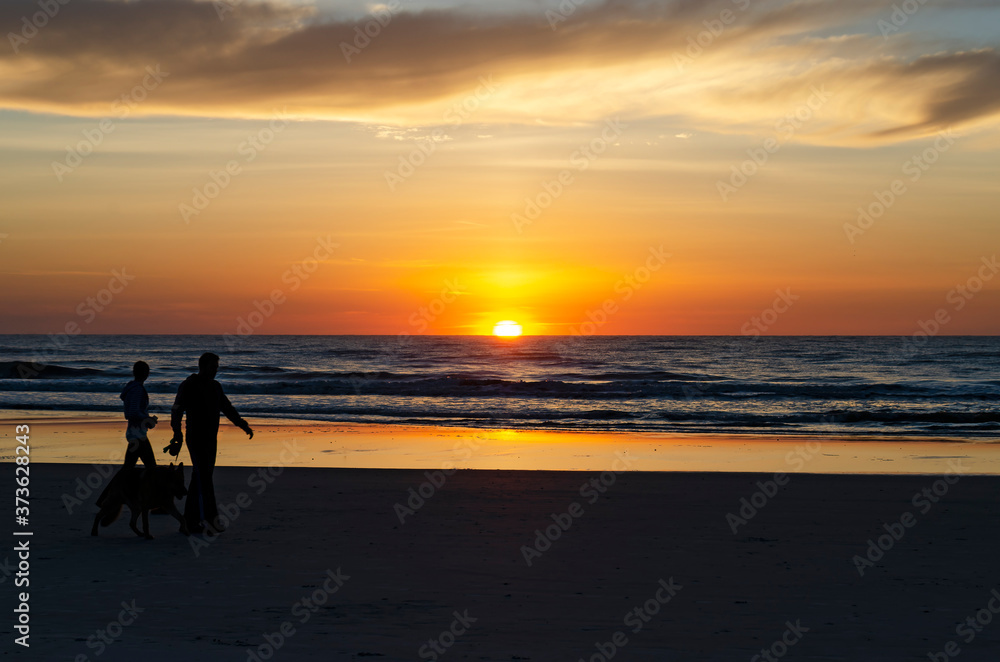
507,329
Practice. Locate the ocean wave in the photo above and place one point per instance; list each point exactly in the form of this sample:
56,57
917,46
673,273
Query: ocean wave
660,416
31,370
460,386
281,382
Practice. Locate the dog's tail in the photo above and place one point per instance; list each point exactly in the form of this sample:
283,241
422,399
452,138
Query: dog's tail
111,516
104,495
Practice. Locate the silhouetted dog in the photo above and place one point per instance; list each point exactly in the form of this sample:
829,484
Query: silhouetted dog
142,490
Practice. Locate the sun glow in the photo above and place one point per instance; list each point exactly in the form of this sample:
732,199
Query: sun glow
507,329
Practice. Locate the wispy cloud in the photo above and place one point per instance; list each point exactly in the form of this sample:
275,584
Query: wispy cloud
619,57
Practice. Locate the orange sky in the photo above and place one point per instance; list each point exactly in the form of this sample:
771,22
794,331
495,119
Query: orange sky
422,158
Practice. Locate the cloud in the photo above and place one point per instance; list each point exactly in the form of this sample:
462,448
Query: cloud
965,86
624,57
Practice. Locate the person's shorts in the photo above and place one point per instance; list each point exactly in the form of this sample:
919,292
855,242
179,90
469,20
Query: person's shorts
135,433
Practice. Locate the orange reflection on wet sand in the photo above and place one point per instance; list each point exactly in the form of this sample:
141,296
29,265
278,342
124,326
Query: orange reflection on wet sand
89,438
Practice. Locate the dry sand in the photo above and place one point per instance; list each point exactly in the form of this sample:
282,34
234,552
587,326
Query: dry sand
462,551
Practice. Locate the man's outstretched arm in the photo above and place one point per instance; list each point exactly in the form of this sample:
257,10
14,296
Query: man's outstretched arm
230,411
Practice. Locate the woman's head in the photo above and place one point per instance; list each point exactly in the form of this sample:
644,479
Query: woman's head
140,371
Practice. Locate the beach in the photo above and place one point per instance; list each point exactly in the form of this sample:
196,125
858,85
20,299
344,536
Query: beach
328,557
538,501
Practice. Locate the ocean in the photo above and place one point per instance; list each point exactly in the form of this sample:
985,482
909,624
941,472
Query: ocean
944,387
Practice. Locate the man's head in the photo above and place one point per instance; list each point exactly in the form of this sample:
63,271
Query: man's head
208,365
140,371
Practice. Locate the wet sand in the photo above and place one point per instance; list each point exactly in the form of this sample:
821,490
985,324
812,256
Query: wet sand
88,438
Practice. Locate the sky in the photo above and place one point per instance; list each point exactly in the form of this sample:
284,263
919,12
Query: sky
618,167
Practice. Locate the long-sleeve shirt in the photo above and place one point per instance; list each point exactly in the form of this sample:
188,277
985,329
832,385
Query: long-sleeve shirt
136,401
202,400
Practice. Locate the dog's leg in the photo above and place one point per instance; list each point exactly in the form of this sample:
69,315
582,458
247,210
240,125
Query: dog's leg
134,509
145,523
172,509
97,520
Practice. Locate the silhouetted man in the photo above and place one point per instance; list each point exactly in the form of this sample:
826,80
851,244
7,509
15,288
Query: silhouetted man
201,397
